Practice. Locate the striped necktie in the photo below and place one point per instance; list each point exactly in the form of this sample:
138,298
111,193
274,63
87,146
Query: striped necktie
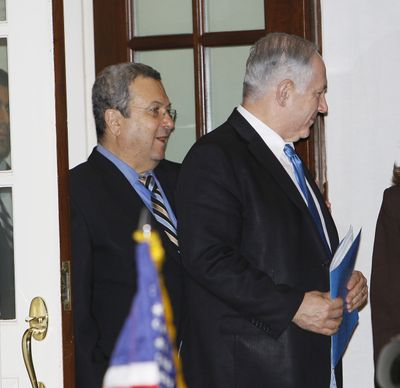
6,223
301,180
159,209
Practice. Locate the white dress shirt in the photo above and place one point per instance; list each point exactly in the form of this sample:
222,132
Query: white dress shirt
276,144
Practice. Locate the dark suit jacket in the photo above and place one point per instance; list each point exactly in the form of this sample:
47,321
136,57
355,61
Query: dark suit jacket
105,211
252,250
385,285
7,287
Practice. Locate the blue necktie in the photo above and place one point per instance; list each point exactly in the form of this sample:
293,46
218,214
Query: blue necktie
159,209
301,180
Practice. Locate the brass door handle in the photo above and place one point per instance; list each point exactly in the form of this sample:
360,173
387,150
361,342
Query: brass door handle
38,323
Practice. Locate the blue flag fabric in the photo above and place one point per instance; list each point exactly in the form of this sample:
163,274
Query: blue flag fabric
143,355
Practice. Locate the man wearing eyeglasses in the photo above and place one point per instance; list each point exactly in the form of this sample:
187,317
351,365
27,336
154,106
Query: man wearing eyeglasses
134,121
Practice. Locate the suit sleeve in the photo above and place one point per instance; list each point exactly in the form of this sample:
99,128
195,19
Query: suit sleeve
385,285
210,211
85,329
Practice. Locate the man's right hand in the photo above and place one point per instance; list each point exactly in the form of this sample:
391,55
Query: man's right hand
319,313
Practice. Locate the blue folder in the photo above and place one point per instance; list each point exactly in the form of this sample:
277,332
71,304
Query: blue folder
339,277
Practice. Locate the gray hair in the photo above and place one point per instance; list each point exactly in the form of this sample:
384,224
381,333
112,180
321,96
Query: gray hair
111,90
276,57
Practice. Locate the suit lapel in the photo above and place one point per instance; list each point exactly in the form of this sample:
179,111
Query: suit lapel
267,159
118,187
329,223
125,196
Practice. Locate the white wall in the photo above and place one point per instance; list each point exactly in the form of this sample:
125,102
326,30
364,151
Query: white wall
80,75
361,48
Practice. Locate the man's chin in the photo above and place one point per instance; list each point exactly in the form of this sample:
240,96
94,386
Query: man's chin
159,154
157,158
299,136
305,134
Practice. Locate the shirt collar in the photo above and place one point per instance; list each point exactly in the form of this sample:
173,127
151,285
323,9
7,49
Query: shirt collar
122,166
274,142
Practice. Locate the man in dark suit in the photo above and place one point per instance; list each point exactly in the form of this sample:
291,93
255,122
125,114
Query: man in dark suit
259,309
134,120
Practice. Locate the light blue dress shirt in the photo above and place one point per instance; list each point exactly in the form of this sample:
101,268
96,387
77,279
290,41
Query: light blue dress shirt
133,177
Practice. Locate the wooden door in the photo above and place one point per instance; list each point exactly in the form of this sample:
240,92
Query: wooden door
119,38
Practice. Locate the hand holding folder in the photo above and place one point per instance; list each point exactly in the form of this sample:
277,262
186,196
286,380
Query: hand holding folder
341,268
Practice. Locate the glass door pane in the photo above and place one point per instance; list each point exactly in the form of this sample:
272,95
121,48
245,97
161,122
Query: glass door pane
7,286
5,144
154,17
234,15
2,10
226,66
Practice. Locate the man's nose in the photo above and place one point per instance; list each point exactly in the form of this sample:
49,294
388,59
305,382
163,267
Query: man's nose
322,104
167,121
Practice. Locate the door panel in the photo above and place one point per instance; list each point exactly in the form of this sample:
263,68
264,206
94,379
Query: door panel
33,180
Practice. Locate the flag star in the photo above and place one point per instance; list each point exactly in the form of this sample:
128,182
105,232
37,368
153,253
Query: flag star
159,343
155,324
157,309
167,365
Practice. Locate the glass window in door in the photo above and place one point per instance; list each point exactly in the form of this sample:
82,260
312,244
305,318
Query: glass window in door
2,10
5,143
7,286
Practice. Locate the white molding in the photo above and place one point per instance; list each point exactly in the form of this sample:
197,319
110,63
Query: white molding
80,74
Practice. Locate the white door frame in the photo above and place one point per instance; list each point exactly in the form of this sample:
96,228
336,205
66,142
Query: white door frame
29,31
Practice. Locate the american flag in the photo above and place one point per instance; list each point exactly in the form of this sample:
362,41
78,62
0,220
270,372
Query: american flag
143,356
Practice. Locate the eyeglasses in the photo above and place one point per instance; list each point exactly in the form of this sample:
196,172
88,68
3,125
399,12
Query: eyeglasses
158,112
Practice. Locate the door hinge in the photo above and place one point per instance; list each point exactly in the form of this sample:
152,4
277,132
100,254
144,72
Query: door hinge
66,285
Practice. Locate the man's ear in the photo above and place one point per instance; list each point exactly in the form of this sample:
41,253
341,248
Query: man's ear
283,91
112,118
